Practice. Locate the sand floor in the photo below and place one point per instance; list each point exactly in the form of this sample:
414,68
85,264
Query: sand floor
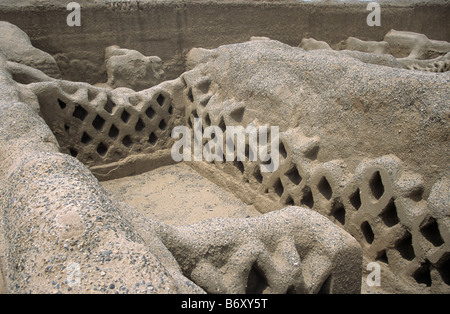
178,195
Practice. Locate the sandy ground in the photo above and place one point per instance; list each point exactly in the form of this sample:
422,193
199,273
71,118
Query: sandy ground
178,195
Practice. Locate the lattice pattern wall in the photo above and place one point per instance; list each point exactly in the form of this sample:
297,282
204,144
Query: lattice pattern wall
380,204
99,126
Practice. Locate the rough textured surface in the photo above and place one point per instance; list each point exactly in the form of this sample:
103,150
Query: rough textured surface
17,47
414,46
102,127
284,86
358,180
170,28
293,250
170,192
361,144
59,222
61,232
131,69
353,43
312,44
399,49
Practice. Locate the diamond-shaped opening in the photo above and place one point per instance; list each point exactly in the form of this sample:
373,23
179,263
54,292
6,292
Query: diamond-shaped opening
278,187
150,113
207,120
405,248
257,175
325,188
222,125
291,290
85,138
249,152
66,128
382,257
312,153
80,113
125,117
326,286
389,214
102,149
376,185
239,165
152,139
113,132
73,152
355,199
422,275
140,125
307,197
190,96
338,212
289,201
170,110
109,106
160,100
256,282
62,104
98,123
443,267
238,114
367,231
162,125
126,141
294,176
282,150
204,86
430,231
417,194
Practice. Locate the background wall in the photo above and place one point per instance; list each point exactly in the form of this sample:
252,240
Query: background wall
169,29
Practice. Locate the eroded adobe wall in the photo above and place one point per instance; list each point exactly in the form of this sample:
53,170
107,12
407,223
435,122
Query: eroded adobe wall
168,29
115,133
380,186
61,232
362,144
